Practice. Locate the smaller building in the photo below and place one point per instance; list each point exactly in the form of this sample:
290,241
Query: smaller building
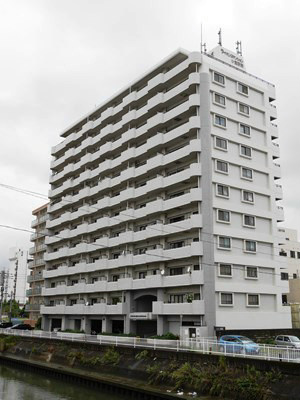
37,264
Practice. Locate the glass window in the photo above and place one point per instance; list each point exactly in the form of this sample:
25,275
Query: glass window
248,196
252,272
221,143
219,78
176,271
222,190
292,254
246,151
244,109
284,276
253,300
225,269
224,242
250,246
247,173
221,121
223,216
242,88
219,99
249,220
245,129
222,166
227,298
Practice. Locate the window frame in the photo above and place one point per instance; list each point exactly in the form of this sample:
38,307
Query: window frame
244,222
240,91
247,148
219,125
239,105
250,251
221,195
224,248
245,177
218,170
247,201
226,304
251,277
253,294
216,102
242,133
221,220
217,82
218,147
222,275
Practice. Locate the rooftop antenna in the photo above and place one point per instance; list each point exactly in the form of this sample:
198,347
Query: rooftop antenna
239,48
220,37
203,45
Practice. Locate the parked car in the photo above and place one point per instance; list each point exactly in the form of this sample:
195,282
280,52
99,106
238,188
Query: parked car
288,341
5,325
23,327
238,344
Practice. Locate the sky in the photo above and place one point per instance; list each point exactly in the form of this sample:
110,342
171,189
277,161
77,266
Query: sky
60,58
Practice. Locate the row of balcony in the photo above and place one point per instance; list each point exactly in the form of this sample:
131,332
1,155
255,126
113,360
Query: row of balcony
160,79
149,282
128,259
132,173
129,236
196,307
156,206
159,100
156,142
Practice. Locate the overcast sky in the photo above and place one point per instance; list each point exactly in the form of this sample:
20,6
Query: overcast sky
60,58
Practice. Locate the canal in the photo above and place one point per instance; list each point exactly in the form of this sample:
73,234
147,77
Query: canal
19,384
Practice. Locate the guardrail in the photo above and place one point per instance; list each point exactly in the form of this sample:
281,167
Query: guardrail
199,345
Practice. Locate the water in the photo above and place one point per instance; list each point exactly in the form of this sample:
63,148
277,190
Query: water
19,384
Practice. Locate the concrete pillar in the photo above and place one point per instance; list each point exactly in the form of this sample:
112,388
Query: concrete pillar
46,323
86,325
106,325
162,324
64,323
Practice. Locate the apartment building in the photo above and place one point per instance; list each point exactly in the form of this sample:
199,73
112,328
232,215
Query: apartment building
164,206
37,264
290,251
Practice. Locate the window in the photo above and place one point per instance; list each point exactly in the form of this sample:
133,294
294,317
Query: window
292,254
243,89
176,298
220,100
247,173
218,78
223,216
224,242
294,276
245,151
282,253
225,270
222,166
250,246
222,191
176,271
253,300
284,276
142,275
298,254
176,219
226,299
243,109
245,130
221,143
220,121
247,197
251,273
249,220
176,245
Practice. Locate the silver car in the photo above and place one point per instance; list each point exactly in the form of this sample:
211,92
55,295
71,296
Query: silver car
288,341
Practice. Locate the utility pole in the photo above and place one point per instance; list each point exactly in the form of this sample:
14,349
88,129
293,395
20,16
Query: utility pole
2,280
10,305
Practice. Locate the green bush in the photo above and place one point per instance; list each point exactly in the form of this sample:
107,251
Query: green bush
166,336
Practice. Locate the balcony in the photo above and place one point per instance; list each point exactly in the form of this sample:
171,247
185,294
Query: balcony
82,309
34,292
278,192
39,220
37,249
196,307
36,263
35,278
32,307
279,214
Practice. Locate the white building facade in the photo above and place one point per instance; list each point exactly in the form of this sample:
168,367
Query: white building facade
163,206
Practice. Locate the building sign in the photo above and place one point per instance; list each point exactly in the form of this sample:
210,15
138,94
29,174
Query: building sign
140,315
228,56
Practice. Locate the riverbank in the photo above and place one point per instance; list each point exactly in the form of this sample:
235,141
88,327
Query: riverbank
153,374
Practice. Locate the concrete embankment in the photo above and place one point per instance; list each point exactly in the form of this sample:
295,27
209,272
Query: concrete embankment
152,374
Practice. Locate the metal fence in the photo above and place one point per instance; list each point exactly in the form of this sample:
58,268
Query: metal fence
199,345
